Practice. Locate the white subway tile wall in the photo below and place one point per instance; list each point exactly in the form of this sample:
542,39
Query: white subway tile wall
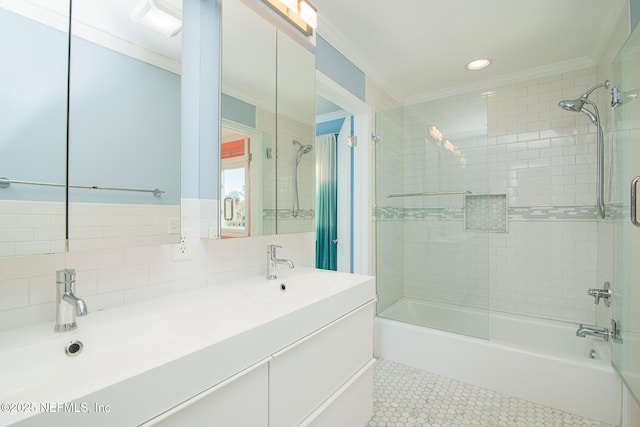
112,277
25,230
103,226
511,140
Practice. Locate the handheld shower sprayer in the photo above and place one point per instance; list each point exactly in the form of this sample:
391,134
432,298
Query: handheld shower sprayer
578,106
302,150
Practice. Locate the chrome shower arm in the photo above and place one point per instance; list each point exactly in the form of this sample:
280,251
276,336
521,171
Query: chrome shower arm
604,84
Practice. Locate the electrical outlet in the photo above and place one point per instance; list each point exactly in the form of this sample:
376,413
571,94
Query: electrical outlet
182,250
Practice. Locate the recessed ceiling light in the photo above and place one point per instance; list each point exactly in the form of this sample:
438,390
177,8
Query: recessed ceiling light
478,64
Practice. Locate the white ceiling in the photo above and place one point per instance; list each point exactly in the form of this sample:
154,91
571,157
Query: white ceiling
418,48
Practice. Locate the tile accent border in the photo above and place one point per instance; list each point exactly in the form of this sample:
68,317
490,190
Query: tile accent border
286,214
519,213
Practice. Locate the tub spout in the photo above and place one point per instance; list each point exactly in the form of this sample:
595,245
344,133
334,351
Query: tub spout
583,331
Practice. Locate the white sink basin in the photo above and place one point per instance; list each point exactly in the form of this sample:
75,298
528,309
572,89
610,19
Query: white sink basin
111,349
304,285
176,346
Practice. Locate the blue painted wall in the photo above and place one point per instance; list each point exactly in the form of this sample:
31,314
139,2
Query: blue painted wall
332,126
200,99
635,13
337,67
236,110
124,120
33,108
124,127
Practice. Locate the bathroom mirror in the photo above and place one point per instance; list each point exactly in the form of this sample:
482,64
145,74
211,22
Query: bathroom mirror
248,108
124,123
33,117
268,85
296,167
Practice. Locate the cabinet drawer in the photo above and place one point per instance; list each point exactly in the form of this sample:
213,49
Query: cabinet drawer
241,401
305,374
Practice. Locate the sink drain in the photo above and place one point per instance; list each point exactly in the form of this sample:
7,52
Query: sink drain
73,348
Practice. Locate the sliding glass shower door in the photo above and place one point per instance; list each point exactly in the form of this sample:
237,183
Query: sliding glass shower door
434,215
626,234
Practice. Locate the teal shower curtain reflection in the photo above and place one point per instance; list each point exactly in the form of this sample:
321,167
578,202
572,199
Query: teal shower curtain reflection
326,202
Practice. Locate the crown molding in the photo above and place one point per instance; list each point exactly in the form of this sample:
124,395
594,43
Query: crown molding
505,79
331,35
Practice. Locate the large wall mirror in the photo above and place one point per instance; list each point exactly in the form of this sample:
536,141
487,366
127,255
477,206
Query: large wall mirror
124,123
268,119
121,78
33,120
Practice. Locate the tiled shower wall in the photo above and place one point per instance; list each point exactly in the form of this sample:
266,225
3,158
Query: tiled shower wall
511,140
543,156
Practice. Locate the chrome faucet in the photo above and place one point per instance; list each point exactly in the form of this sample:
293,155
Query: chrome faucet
67,304
583,331
604,293
272,261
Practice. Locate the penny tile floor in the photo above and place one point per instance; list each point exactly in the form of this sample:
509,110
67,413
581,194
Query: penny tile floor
408,397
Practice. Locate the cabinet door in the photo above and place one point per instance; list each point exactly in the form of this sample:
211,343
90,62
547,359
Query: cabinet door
240,401
305,374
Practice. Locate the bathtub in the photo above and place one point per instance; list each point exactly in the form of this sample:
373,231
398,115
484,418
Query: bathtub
534,359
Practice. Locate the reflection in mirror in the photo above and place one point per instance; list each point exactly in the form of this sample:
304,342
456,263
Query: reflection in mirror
248,121
296,194
246,157
33,115
124,123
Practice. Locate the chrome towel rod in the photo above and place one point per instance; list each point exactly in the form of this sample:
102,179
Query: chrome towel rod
436,193
4,183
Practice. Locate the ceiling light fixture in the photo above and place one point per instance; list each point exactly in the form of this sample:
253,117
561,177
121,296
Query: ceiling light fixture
160,16
309,13
302,14
478,64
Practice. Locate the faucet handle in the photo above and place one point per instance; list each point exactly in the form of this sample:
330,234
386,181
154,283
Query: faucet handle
271,249
68,275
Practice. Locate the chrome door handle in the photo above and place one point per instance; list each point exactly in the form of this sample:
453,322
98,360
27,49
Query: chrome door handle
634,206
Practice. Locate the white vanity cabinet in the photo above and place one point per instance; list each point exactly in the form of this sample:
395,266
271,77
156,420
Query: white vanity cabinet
312,371
323,376
242,400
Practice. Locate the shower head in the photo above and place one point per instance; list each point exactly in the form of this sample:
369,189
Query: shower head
577,105
574,105
302,150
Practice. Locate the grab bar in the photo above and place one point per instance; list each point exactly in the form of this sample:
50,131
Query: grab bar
4,183
634,206
436,193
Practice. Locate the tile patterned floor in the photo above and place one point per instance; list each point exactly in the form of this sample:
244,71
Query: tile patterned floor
408,397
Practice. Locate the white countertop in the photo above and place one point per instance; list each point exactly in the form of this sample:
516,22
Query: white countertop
184,343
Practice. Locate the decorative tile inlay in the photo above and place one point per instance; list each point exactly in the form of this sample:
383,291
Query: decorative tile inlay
586,212
408,397
288,214
486,212
525,213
